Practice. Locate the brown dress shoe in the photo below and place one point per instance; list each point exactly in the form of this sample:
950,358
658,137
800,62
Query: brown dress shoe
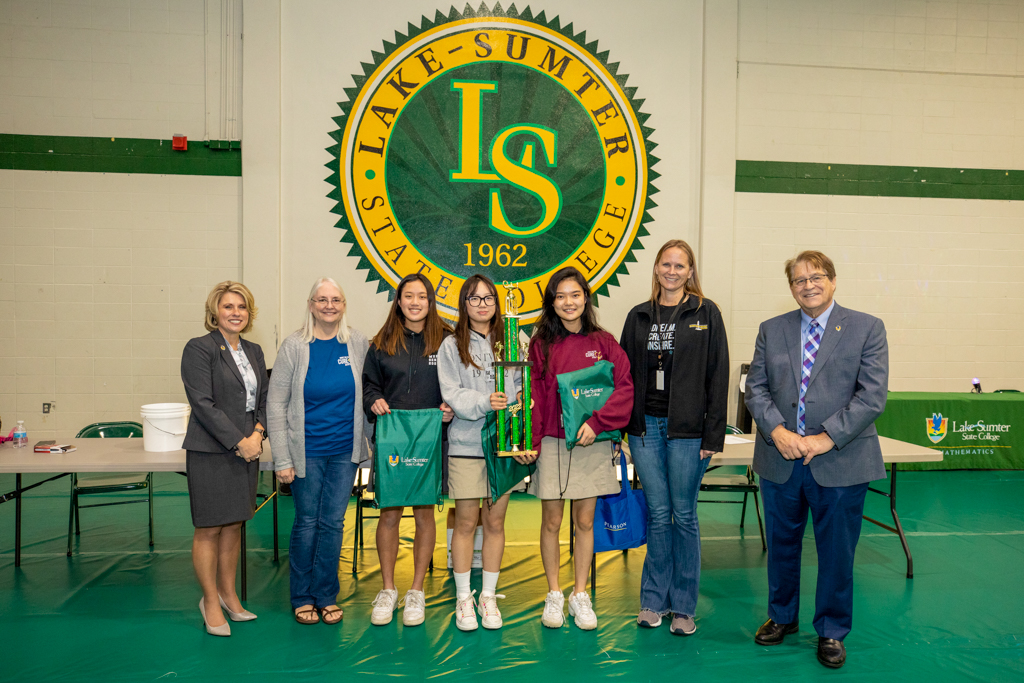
772,633
831,652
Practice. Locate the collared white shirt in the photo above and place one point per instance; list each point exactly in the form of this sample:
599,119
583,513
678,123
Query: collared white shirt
248,375
805,325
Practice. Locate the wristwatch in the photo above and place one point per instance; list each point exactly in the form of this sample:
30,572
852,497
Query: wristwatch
262,432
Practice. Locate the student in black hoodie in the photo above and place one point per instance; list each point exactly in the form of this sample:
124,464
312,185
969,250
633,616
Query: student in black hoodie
401,373
679,358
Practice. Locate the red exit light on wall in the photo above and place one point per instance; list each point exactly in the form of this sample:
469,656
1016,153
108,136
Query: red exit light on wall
179,142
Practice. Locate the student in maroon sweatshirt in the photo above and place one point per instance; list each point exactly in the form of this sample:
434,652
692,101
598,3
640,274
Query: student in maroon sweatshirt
568,338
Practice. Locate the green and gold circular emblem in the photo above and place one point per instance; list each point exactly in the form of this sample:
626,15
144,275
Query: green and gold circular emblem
491,142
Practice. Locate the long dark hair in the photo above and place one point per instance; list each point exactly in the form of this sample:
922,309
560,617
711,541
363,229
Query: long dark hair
549,328
392,334
462,329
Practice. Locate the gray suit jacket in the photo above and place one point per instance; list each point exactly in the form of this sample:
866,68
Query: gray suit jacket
216,392
286,403
847,392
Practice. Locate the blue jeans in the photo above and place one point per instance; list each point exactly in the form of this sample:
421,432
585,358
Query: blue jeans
670,471
321,499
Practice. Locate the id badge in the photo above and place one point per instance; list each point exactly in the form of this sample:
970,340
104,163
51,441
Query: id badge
659,380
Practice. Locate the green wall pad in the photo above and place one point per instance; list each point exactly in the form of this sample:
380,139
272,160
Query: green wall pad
119,155
792,177
118,612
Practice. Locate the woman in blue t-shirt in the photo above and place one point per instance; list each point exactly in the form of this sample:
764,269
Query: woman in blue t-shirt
316,424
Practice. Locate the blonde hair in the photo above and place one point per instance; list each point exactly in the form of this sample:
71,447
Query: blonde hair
213,303
692,284
310,323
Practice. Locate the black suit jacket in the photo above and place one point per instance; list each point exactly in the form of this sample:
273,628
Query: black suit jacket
216,393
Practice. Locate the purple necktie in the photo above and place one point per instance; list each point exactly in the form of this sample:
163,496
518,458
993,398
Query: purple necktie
810,353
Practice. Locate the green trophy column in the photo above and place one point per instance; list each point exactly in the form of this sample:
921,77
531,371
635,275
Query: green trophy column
512,355
499,386
527,414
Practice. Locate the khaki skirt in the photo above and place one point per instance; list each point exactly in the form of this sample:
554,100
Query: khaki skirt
583,473
467,478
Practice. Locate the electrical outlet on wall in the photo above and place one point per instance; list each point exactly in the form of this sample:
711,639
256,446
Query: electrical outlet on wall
49,407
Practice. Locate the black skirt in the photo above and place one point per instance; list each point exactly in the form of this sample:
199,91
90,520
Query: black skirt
221,486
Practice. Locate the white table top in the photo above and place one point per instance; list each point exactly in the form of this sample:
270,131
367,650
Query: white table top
892,451
101,455
127,455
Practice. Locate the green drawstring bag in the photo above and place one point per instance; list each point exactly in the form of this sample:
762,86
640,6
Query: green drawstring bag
583,392
407,458
503,473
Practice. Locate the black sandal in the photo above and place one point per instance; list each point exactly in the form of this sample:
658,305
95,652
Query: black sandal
307,615
328,612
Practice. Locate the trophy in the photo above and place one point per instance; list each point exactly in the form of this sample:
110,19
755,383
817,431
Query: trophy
515,438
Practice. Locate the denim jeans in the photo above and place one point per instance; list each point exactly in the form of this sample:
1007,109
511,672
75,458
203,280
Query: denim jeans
670,471
321,499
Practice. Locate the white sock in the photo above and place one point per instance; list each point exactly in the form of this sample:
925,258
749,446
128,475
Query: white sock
490,586
461,584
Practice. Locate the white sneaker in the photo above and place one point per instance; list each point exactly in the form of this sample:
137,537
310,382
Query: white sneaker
581,608
490,615
553,604
383,606
415,604
465,613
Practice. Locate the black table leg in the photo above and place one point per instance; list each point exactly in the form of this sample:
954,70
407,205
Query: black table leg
896,520
898,529
244,591
17,520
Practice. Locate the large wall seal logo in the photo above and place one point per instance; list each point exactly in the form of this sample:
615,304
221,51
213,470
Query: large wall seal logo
496,142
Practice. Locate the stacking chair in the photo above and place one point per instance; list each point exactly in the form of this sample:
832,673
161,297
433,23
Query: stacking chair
744,483
364,502
91,484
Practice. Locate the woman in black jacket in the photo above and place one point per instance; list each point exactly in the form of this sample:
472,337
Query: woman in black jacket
401,373
678,423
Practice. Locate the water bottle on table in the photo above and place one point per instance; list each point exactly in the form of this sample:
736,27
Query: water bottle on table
20,435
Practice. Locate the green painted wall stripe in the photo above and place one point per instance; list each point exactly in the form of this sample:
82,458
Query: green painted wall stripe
118,155
789,177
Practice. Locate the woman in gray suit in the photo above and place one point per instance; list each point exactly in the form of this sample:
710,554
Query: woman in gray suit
225,379
317,426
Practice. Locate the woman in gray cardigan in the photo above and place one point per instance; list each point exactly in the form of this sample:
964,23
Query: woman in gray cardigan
316,430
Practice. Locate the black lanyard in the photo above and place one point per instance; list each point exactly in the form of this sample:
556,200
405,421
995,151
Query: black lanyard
671,321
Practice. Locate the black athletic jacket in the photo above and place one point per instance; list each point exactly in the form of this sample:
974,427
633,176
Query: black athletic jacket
406,380
699,385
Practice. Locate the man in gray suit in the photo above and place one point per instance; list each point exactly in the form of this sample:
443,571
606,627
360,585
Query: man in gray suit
817,383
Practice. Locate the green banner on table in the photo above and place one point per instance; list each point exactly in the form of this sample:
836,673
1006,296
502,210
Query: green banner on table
973,431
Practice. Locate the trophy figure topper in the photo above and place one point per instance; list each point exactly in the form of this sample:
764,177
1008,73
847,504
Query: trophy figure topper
517,438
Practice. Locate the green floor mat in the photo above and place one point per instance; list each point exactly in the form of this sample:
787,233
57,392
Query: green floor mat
118,611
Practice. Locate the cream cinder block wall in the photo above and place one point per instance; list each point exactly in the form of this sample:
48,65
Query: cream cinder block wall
944,275
904,83
103,277
109,69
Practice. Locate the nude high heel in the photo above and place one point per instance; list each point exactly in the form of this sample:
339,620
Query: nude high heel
244,615
222,630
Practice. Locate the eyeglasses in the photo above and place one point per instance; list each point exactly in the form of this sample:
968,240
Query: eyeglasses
323,301
814,280
488,300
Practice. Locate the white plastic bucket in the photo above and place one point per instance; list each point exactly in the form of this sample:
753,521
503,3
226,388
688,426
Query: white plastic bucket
164,425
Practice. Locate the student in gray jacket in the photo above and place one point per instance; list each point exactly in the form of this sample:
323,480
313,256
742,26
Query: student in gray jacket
465,370
315,410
